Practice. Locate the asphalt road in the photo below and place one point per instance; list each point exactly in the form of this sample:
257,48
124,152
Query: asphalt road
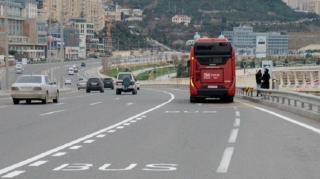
155,134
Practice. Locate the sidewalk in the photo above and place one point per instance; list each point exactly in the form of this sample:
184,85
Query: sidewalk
167,76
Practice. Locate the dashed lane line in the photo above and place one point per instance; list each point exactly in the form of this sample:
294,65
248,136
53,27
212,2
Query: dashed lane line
13,174
75,147
84,139
237,122
101,135
38,163
59,154
111,131
88,141
53,112
233,136
225,161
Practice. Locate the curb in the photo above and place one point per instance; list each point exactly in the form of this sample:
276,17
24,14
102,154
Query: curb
291,109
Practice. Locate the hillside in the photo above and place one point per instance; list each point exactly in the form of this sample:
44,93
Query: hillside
209,17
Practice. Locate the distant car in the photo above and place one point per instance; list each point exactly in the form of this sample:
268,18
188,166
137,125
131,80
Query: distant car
67,81
70,71
137,83
108,83
82,84
34,87
78,80
83,64
75,69
94,84
125,83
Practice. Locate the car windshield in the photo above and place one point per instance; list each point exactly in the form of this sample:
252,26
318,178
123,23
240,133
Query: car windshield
94,80
29,79
122,76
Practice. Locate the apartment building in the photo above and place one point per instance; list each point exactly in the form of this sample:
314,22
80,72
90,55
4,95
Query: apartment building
244,41
91,10
294,4
181,19
304,5
26,35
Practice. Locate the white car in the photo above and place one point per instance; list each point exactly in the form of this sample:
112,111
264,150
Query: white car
71,71
34,87
67,81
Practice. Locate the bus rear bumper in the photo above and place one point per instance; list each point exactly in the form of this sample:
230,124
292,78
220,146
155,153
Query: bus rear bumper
213,93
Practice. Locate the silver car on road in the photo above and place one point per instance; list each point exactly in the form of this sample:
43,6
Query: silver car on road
34,87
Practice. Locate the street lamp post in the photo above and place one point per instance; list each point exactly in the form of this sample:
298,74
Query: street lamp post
61,47
6,45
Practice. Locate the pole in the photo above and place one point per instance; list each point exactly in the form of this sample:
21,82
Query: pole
61,46
6,45
118,45
50,36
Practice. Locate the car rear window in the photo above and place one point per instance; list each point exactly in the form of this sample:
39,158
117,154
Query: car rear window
122,76
94,80
107,79
29,79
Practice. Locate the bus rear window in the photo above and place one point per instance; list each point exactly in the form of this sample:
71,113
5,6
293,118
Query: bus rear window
208,60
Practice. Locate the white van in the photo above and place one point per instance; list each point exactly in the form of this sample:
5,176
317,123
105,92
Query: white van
70,71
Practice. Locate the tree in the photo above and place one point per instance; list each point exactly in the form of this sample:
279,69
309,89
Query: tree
12,52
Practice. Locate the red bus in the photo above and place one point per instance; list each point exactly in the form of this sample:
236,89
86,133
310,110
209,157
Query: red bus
212,70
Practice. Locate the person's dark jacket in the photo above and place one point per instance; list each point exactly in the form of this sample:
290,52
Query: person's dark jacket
258,78
265,78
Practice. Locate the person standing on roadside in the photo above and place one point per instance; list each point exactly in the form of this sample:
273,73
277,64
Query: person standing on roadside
258,80
265,79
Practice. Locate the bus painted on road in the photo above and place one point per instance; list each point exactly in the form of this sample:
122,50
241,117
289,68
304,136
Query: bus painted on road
212,70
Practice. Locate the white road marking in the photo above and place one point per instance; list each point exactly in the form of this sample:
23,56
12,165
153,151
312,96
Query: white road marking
51,112
88,141
236,122
126,124
112,131
95,103
59,154
52,151
13,174
38,163
189,112
225,161
128,104
237,113
209,111
172,112
120,127
116,98
233,135
199,104
75,147
291,120
133,121
139,118
60,104
101,135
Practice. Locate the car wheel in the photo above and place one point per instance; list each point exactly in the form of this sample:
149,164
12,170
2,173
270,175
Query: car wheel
134,92
101,91
16,101
28,101
118,92
78,88
112,88
57,98
45,100
193,99
138,88
88,91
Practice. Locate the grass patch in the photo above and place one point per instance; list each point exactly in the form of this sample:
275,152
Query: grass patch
156,73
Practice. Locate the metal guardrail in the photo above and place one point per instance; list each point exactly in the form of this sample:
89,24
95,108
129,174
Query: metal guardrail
311,100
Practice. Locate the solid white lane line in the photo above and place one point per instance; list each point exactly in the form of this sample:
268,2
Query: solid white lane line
225,161
236,122
13,174
291,120
101,135
60,104
233,135
112,131
51,112
209,111
59,154
95,103
120,127
88,141
126,124
38,163
75,147
237,113
133,121
139,118
52,151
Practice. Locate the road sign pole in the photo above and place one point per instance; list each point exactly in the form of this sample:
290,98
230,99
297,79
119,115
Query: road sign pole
6,45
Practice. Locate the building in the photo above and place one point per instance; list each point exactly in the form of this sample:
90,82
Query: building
114,16
31,8
131,14
86,31
304,5
294,4
71,41
245,42
26,35
91,10
181,19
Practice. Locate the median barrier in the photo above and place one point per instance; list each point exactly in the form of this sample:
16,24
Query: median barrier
298,103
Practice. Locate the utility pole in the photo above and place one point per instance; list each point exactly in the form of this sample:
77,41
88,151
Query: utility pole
50,37
61,46
6,45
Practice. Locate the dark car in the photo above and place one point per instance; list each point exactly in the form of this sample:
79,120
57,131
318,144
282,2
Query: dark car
94,84
108,83
83,64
